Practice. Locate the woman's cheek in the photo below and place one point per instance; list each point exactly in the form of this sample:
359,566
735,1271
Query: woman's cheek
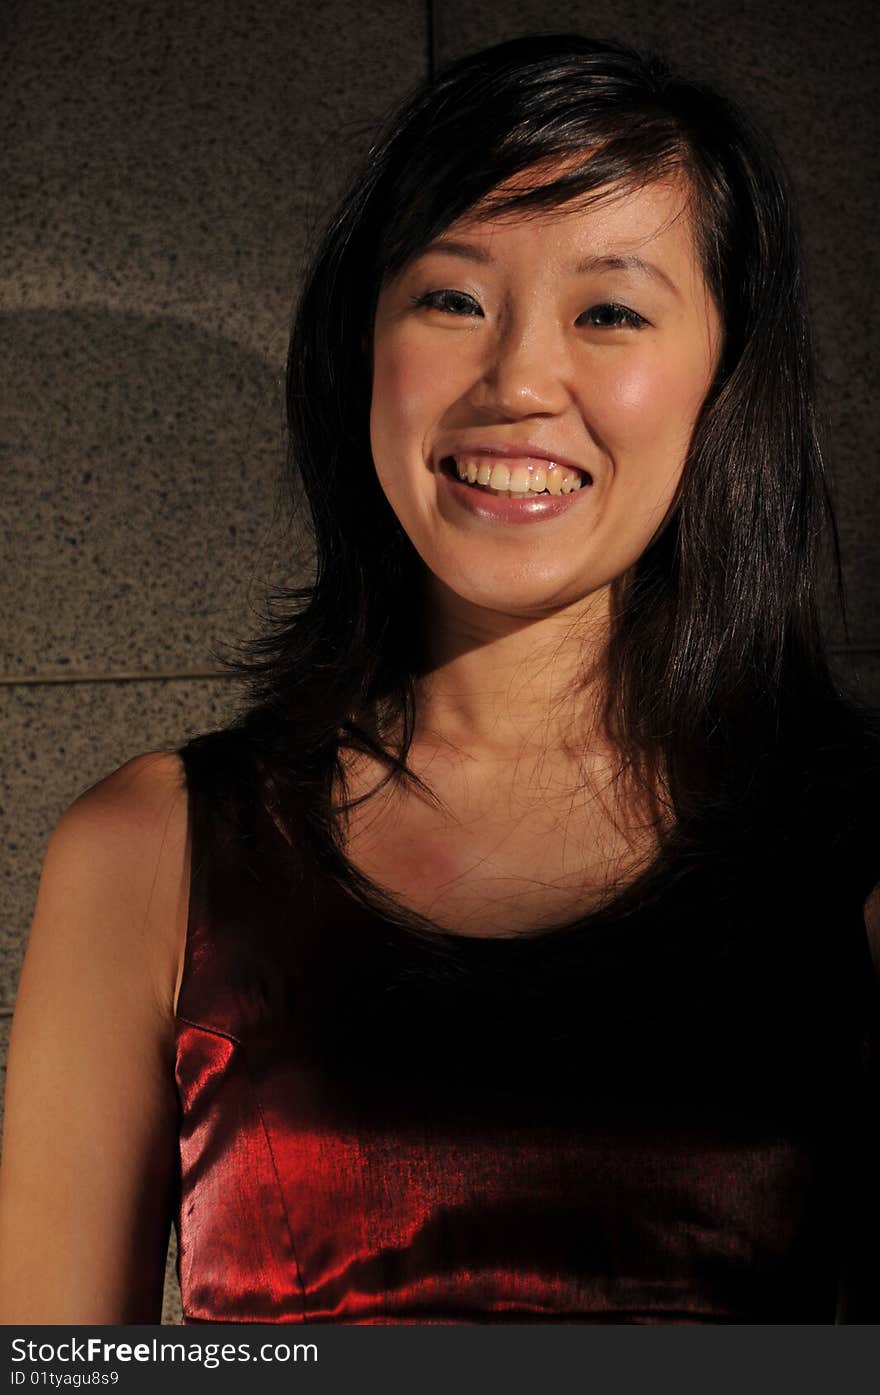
397,416
401,406
398,385
647,407
638,388
415,386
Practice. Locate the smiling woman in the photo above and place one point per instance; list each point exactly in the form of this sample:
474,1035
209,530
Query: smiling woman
509,958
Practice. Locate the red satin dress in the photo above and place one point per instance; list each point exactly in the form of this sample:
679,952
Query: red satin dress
648,1118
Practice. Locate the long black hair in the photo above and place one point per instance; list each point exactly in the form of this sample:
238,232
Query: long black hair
717,674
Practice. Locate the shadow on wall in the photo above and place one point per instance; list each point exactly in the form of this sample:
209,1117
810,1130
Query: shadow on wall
141,461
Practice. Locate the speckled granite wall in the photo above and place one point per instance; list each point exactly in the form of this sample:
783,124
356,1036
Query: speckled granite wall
162,169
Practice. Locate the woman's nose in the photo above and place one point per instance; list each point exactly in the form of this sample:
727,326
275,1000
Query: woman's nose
525,372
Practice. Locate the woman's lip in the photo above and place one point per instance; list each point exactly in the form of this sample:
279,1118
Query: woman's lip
525,451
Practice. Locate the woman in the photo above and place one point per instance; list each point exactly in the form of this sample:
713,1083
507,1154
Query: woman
507,959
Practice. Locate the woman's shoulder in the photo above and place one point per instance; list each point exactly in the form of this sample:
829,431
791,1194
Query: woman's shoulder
120,850
120,802
832,787
156,822
128,826
144,804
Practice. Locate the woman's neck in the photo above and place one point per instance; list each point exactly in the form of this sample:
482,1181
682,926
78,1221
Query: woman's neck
499,688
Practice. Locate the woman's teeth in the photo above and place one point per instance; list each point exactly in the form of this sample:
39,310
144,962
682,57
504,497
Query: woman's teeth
518,481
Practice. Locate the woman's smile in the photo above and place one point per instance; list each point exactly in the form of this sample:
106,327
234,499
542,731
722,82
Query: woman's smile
519,489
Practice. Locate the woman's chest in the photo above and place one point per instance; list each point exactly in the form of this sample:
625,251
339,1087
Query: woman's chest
498,865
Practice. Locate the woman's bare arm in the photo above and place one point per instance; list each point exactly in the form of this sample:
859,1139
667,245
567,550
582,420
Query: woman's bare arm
89,1158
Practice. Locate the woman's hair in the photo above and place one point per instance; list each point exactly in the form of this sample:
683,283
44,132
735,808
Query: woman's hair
717,676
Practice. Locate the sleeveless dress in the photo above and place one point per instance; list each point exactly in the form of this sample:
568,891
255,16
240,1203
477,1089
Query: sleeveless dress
667,1115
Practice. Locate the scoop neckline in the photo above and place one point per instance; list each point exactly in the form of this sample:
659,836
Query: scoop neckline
627,903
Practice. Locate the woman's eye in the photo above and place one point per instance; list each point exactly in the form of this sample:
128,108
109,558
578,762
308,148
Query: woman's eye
455,301
607,315
610,315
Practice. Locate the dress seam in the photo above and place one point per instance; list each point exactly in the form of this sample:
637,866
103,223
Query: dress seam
281,1196
212,1031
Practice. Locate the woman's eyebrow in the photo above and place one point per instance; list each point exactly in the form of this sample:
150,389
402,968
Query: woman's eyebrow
629,261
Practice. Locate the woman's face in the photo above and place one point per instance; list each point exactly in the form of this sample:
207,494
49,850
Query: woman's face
587,335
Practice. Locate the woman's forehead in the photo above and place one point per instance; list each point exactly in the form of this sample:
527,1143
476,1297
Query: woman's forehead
612,221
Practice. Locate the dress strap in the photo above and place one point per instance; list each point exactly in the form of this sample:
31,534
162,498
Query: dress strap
234,901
